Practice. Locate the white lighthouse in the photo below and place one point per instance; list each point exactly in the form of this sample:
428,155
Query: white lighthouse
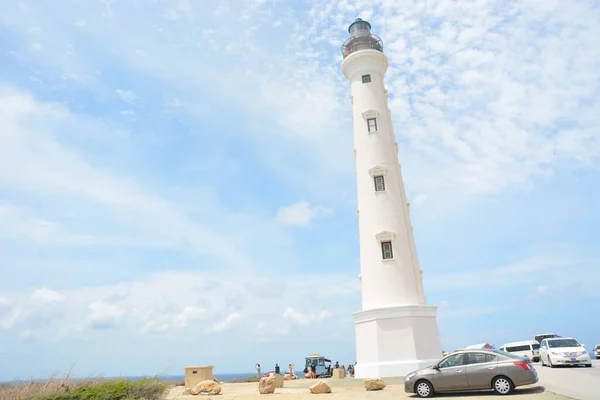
396,331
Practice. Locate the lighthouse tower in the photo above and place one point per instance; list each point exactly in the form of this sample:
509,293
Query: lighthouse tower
396,331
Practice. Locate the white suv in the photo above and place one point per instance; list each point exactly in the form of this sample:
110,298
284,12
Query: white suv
597,351
563,351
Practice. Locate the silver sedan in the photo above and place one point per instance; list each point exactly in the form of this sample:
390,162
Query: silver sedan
472,370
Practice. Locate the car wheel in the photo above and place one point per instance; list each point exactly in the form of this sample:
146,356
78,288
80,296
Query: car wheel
588,365
502,385
424,389
542,361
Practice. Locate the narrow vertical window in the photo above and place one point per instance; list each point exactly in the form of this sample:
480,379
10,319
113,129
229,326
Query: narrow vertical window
379,184
386,250
372,124
366,79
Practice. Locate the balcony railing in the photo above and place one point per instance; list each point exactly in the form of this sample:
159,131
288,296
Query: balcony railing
363,42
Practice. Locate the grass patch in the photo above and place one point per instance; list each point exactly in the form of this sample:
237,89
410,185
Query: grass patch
86,389
245,380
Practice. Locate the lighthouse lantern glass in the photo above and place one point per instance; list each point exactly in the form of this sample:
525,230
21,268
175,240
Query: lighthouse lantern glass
359,28
361,38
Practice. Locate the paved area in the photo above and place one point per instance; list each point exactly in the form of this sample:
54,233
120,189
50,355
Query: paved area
576,382
353,389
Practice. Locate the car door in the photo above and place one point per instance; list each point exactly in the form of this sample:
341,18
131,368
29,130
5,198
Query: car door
480,369
544,350
451,374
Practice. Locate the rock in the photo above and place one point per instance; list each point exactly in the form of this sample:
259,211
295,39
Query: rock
374,384
267,384
206,386
320,387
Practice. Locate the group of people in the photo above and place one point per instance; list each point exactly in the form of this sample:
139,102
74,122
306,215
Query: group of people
278,370
311,372
347,371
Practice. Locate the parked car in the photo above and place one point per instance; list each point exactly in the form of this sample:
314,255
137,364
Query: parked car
543,336
597,351
472,370
527,348
563,351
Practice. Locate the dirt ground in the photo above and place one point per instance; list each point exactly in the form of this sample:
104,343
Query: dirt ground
354,389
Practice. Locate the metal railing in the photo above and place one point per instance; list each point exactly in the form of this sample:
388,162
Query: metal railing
363,42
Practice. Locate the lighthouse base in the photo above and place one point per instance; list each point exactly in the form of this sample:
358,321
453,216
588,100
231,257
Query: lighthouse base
394,341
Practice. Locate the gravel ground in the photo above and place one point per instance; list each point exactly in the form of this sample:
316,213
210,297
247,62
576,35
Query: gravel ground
353,389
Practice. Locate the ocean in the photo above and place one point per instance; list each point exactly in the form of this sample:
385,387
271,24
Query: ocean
166,378
221,377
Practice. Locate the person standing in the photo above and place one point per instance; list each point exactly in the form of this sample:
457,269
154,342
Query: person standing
277,369
257,366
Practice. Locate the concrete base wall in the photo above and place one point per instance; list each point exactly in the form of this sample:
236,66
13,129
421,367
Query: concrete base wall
394,341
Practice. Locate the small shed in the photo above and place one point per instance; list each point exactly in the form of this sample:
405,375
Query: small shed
195,375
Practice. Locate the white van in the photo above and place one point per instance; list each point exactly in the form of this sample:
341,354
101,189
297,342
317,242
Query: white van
543,336
526,348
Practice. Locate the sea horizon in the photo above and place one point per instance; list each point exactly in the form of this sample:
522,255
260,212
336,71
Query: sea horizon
224,377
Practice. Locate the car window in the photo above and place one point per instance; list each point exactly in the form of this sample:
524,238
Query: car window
535,346
513,349
563,343
480,358
453,361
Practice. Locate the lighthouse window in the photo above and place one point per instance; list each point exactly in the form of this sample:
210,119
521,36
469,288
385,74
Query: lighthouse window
372,124
379,184
366,78
386,250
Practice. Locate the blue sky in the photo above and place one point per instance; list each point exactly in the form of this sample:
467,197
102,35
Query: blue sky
177,181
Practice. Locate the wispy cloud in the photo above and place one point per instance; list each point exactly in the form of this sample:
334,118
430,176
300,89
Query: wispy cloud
300,213
126,95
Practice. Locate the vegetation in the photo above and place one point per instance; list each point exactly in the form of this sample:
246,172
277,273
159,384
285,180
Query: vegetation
86,389
245,380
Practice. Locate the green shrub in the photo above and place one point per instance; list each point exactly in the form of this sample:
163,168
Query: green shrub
145,389
245,380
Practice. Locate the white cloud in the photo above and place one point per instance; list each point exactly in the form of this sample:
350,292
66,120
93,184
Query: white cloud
45,295
299,214
155,327
103,315
28,334
39,163
9,318
226,323
418,200
5,303
305,319
190,314
160,303
528,270
127,95
538,292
